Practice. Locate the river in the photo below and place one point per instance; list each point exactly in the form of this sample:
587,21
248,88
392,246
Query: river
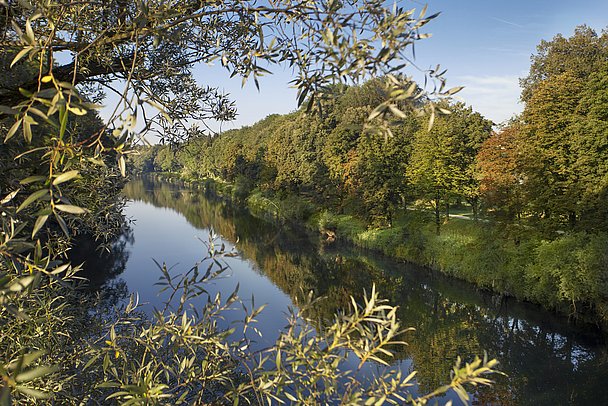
547,359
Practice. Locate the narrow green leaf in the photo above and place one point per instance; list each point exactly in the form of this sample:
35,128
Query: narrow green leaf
108,385
13,130
62,224
63,121
35,393
37,195
35,373
68,208
39,223
396,111
444,111
455,90
32,179
376,112
20,55
25,92
27,131
64,177
29,32
19,284
9,197
122,165
32,356
38,113
77,110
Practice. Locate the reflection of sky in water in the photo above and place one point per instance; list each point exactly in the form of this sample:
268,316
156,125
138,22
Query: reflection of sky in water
166,236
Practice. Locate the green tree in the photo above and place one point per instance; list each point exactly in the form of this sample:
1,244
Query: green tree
443,163
552,183
164,159
562,139
590,149
293,150
379,172
581,55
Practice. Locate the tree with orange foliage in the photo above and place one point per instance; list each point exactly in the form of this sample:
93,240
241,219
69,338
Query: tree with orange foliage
500,174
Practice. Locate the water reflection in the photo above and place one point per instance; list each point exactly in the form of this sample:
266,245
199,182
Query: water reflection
548,360
103,267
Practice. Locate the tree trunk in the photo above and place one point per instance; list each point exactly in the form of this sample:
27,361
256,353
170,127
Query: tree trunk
474,203
437,215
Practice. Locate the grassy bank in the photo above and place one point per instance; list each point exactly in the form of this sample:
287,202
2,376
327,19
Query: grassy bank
568,274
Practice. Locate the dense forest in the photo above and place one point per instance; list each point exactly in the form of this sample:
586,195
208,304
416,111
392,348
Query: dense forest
535,187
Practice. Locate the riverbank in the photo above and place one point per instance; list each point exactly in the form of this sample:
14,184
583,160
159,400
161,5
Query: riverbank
568,274
273,260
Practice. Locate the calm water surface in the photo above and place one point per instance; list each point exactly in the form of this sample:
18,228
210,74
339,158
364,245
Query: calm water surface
547,359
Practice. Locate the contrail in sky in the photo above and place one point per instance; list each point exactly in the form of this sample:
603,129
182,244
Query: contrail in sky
507,22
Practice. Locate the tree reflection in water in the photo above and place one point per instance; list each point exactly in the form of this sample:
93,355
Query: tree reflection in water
103,267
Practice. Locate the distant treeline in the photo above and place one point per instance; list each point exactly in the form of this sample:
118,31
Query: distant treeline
540,182
336,161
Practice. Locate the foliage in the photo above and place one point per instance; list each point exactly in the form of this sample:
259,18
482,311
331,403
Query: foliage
483,253
581,55
560,139
566,269
542,176
153,47
551,180
337,160
62,57
443,157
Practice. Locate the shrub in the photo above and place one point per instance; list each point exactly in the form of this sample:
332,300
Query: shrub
295,208
572,268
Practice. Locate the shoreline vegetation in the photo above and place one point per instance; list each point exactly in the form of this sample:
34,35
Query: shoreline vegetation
474,251
535,189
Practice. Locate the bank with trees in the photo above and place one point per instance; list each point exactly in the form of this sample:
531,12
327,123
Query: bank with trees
538,182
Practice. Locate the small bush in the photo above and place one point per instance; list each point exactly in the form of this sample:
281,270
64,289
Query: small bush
295,208
572,268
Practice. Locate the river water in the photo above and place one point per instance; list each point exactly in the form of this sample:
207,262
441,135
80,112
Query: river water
548,360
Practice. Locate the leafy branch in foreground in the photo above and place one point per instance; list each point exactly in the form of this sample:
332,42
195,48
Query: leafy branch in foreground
184,354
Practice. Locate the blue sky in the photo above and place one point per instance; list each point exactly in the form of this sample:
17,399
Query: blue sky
485,45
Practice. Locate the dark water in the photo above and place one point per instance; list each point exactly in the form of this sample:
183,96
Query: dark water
547,359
